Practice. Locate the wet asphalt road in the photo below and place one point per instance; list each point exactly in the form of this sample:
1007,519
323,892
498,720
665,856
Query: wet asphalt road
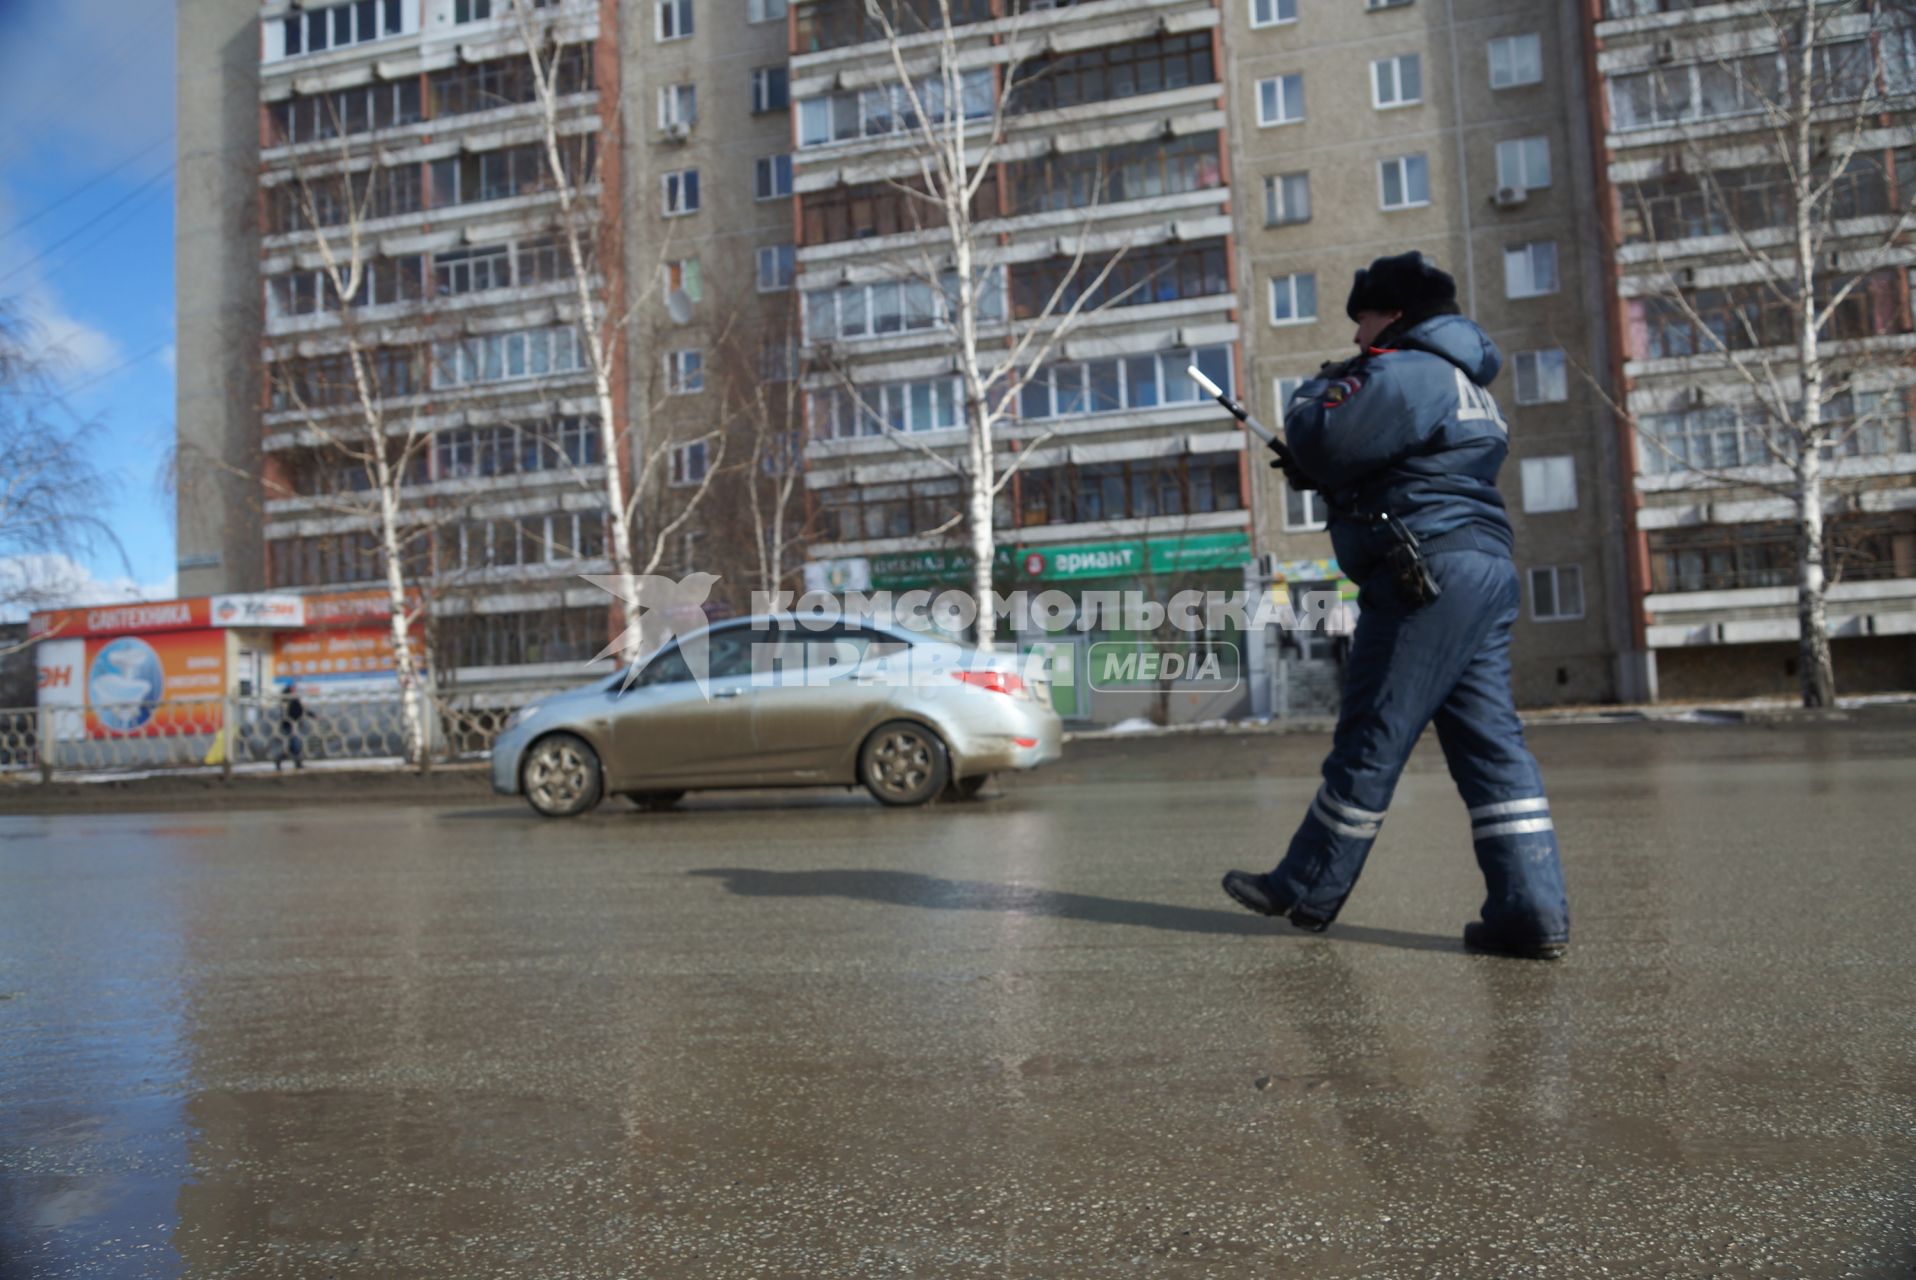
797,1036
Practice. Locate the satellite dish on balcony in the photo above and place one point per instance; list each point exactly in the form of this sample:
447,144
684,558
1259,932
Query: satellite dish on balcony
678,305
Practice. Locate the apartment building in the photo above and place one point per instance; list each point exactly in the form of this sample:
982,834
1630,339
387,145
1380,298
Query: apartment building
1696,194
1124,477
1455,127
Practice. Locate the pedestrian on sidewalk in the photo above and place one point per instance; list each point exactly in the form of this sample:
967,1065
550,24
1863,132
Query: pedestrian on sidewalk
1405,441
291,712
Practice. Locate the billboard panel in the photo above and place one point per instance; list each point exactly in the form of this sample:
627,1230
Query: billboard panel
155,685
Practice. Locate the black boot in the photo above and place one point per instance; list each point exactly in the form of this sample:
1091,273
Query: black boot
1257,893
1479,936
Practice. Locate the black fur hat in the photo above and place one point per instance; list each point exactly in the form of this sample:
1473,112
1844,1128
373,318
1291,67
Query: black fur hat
1408,282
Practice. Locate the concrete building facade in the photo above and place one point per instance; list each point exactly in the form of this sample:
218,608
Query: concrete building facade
1697,202
1455,127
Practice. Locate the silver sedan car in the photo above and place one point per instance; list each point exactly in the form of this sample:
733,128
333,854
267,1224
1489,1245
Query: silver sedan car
910,715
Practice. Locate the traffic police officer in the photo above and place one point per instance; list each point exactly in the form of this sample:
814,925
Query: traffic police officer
1405,441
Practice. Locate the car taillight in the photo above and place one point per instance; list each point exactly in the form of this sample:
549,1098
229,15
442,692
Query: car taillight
995,681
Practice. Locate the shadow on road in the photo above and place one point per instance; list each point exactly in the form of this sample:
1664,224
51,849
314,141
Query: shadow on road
911,889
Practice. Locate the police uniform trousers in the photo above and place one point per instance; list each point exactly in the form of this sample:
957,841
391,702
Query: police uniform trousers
1447,662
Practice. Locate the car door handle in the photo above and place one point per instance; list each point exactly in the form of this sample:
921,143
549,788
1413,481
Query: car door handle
726,693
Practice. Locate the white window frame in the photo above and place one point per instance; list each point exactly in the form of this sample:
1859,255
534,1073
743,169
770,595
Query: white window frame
823,310
1535,475
685,275
1529,251
762,90
1276,9
1557,574
1515,154
1548,369
1277,210
672,189
677,15
1277,118
678,105
1508,47
1288,283
684,372
765,177
1282,389
757,11
1404,166
783,256
685,473
1392,69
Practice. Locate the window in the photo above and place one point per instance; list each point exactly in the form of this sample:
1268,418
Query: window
674,19
1294,298
1523,163
678,106
886,108
316,30
773,177
1397,82
898,306
1304,510
1541,377
1373,6
458,271
1152,64
689,463
1550,484
479,453
684,277
764,10
771,89
1516,60
931,404
1280,100
1287,199
681,192
1074,389
310,117
507,357
1403,182
1268,13
684,372
1530,270
777,360
777,264
471,10
1162,273
1108,175
1556,593
499,82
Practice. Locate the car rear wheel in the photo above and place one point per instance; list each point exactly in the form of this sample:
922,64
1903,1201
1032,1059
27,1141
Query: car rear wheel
903,763
562,777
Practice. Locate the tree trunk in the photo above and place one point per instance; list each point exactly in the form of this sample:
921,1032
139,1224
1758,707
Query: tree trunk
1813,641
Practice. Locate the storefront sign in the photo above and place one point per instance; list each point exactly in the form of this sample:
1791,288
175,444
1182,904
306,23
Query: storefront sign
1200,551
333,657
1067,562
158,685
258,611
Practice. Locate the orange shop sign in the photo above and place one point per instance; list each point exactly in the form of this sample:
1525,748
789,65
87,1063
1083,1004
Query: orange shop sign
156,685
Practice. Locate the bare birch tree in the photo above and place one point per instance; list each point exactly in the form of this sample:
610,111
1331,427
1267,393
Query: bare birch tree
635,462
1797,252
345,402
959,124
50,489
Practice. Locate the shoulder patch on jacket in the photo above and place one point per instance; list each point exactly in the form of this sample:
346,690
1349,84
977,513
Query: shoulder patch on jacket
1341,390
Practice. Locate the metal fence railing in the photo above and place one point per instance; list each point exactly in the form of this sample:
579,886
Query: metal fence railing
251,734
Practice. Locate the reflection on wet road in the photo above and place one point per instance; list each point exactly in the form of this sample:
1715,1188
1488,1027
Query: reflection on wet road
804,1037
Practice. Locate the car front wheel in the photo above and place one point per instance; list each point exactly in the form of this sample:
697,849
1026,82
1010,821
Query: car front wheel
903,763
562,777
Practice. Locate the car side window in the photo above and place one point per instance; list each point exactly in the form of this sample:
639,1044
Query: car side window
728,653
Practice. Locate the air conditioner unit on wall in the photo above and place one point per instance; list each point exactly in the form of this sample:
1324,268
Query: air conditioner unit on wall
1509,197
677,131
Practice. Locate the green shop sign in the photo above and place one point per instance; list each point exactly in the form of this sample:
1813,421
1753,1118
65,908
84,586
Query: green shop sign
1065,562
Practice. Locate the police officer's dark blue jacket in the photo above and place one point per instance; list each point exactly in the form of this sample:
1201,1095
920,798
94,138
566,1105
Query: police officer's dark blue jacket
1407,428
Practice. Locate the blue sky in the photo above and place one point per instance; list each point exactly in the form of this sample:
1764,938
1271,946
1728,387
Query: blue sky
86,247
